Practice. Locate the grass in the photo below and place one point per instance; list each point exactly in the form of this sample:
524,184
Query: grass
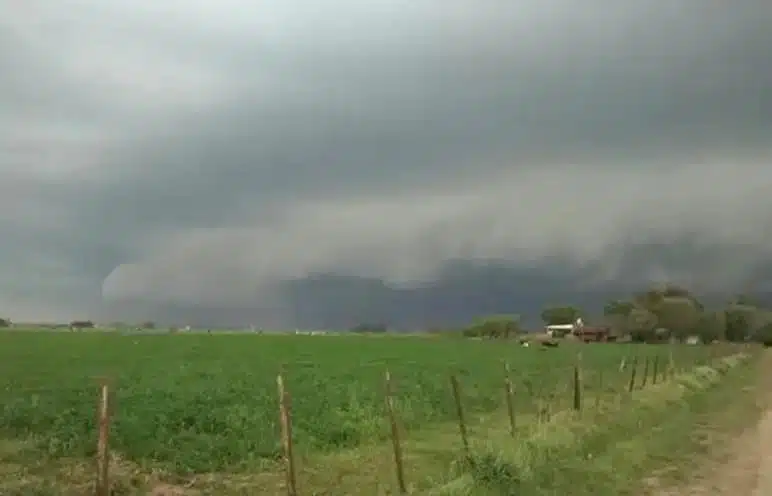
609,452
190,408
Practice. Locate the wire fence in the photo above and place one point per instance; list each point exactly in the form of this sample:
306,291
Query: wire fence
517,400
577,387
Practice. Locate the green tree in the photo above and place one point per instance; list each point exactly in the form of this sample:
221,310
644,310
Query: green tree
712,327
649,300
559,315
616,313
618,307
656,297
764,334
675,308
81,324
679,315
641,324
369,328
740,321
5,322
494,327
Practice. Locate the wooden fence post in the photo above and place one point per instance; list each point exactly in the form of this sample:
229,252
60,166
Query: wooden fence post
645,372
577,388
103,445
460,412
634,368
600,390
510,401
395,434
285,418
655,369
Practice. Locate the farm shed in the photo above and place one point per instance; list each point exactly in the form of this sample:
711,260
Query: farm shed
593,334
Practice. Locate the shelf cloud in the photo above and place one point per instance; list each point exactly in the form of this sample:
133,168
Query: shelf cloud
208,153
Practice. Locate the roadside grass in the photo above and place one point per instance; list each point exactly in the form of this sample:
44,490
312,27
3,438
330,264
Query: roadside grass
617,441
714,422
608,452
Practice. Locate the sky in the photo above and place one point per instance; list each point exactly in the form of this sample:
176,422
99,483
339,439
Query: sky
212,154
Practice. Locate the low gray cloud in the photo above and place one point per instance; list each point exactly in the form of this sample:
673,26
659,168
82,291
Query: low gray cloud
206,153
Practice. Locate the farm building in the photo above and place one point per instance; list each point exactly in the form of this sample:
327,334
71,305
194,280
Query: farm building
559,329
588,334
594,334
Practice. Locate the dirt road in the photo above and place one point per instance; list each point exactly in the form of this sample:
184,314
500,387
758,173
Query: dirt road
764,447
747,470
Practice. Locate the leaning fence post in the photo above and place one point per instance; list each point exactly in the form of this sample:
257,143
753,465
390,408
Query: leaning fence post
577,385
634,367
460,412
510,401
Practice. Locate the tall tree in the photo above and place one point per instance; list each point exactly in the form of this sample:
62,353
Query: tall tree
641,324
679,315
495,326
764,334
740,321
655,297
712,326
558,315
616,313
618,307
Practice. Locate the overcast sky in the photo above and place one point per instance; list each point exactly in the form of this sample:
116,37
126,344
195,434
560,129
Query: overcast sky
201,151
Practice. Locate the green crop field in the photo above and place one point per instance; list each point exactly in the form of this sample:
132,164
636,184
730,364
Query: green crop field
208,403
198,403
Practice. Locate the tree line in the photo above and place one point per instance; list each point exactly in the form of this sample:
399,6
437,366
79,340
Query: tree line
660,314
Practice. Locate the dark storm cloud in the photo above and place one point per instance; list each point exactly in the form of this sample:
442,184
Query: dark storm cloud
236,145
